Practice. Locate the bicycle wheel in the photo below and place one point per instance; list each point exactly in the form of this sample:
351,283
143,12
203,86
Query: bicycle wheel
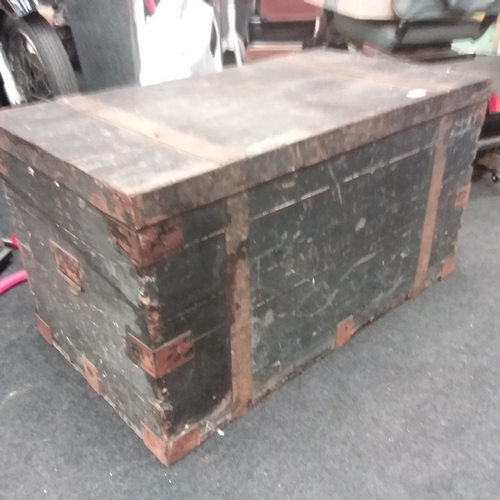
37,59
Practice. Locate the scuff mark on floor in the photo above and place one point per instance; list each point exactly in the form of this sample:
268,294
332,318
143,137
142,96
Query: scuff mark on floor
13,394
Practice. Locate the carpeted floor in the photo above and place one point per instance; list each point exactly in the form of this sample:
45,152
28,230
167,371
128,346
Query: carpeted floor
409,409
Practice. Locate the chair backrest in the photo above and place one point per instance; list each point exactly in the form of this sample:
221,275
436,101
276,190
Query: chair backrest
391,36
409,10
359,9
413,10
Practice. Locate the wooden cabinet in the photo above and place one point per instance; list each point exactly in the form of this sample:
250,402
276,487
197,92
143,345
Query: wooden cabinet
287,10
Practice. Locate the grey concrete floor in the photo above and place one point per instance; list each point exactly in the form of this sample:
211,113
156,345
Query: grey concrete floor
409,409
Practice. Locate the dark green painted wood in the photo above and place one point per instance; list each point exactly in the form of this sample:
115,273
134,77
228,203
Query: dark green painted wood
306,237
460,155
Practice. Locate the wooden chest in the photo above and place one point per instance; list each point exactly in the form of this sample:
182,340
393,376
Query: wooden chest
193,245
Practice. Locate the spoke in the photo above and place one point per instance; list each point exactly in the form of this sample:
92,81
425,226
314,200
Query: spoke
28,70
21,62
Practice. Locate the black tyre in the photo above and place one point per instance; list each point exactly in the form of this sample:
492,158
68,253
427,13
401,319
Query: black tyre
39,63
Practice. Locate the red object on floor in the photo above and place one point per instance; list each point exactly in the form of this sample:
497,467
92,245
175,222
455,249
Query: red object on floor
12,280
151,6
494,104
14,243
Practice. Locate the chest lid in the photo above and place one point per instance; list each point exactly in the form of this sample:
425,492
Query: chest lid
142,155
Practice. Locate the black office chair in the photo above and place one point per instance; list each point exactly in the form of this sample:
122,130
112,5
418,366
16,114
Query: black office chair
413,39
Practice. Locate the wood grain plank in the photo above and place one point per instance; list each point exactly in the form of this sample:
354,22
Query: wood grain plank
167,136
354,72
238,294
440,157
